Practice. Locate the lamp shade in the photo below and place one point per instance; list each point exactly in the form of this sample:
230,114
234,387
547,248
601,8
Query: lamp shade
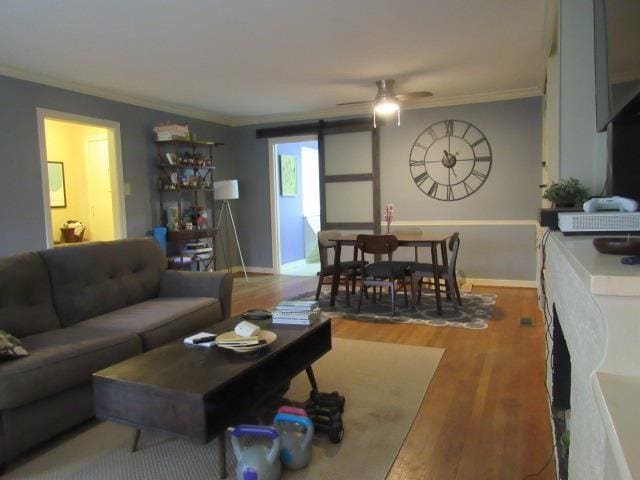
226,190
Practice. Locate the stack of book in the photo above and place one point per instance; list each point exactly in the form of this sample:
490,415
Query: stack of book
199,250
295,312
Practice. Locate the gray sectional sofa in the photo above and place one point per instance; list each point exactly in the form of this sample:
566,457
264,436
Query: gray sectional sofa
80,308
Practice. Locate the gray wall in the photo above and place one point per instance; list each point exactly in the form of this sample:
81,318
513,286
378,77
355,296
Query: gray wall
511,192
582,150
490,250
22,212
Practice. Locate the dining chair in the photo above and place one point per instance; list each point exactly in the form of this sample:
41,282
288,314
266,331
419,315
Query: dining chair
445,272
407,231
348,270
383,273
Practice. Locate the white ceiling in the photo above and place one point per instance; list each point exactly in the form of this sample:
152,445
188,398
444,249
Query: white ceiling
242,58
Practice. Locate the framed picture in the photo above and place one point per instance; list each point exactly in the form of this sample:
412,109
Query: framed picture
288,179
57,192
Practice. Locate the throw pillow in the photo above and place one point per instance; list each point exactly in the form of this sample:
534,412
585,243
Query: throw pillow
11,347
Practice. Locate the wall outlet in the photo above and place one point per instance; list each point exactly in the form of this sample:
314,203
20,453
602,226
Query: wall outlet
526,322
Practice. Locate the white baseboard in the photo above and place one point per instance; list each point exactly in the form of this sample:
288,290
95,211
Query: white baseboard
238,269
293,264
501,282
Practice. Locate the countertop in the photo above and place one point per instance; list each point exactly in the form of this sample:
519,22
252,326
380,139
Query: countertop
603,273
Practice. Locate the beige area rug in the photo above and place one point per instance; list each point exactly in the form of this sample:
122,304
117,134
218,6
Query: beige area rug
384,385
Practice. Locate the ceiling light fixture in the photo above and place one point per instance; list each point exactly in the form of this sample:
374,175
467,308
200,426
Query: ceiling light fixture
386,102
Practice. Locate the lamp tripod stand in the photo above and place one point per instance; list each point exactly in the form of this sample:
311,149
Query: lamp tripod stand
225,209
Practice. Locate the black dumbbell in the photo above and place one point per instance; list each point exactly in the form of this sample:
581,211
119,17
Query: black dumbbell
335,430
328,399
317,411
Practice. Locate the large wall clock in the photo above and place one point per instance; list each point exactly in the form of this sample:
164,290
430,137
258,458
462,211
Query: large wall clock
450,160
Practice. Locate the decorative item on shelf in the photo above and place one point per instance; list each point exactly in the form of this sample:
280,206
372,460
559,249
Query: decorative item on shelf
172,158
194,181
566,193
618,245
228,190
388,215
173,219
202,217
171,131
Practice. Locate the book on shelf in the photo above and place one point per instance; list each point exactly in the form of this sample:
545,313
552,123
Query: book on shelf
192,251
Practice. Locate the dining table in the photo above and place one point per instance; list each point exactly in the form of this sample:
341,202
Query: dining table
426,240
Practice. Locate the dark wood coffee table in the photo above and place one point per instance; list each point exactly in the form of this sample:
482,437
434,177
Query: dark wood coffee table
197,392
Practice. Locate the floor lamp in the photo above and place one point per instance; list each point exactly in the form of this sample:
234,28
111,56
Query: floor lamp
226,190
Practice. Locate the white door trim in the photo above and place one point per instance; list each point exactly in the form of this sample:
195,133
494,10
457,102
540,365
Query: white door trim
115,156
274,180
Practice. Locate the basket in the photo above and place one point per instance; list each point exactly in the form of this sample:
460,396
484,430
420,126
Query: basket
69,235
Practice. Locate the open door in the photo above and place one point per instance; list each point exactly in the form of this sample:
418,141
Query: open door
349,156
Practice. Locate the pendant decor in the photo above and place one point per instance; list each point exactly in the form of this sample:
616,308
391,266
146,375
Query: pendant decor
450,160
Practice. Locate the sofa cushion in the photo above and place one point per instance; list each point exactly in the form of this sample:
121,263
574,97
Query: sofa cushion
60,359
160,320
95,278
26,305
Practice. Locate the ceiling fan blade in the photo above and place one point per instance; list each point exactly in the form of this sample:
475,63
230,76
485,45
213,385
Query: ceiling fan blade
403,97
356,103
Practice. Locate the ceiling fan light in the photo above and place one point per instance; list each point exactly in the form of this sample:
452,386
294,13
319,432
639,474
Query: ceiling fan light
386,106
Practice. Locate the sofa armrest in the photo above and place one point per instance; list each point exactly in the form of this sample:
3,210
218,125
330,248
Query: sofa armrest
175,283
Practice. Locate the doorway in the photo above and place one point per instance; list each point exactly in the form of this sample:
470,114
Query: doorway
295,195
82,178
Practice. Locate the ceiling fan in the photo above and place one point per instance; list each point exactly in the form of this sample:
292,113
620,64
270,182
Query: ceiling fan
387,101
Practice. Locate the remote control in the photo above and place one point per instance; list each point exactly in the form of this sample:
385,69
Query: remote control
635,260
210,338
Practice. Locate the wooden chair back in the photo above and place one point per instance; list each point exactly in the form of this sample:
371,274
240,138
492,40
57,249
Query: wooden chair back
454,247
377,244
324,244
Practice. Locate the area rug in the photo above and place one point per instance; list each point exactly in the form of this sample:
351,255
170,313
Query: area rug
474,314
384,385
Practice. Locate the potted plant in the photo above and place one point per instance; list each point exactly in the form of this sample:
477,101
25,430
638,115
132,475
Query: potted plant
566,193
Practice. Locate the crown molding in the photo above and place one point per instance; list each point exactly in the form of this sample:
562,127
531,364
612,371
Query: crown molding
429,102
237,121
116,96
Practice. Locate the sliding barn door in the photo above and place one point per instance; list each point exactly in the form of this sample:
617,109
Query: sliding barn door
349,157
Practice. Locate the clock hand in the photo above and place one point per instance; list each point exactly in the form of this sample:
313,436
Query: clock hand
454,172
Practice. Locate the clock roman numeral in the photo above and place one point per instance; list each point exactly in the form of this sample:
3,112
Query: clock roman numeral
468,189
483,159
433,134
449,126
479,175
419,145
420,179
416,163
450,193
433,191
466,130
478,142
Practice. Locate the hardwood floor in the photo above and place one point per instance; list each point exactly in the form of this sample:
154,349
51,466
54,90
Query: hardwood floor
485,414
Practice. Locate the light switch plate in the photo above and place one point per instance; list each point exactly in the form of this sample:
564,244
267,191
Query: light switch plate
127,189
